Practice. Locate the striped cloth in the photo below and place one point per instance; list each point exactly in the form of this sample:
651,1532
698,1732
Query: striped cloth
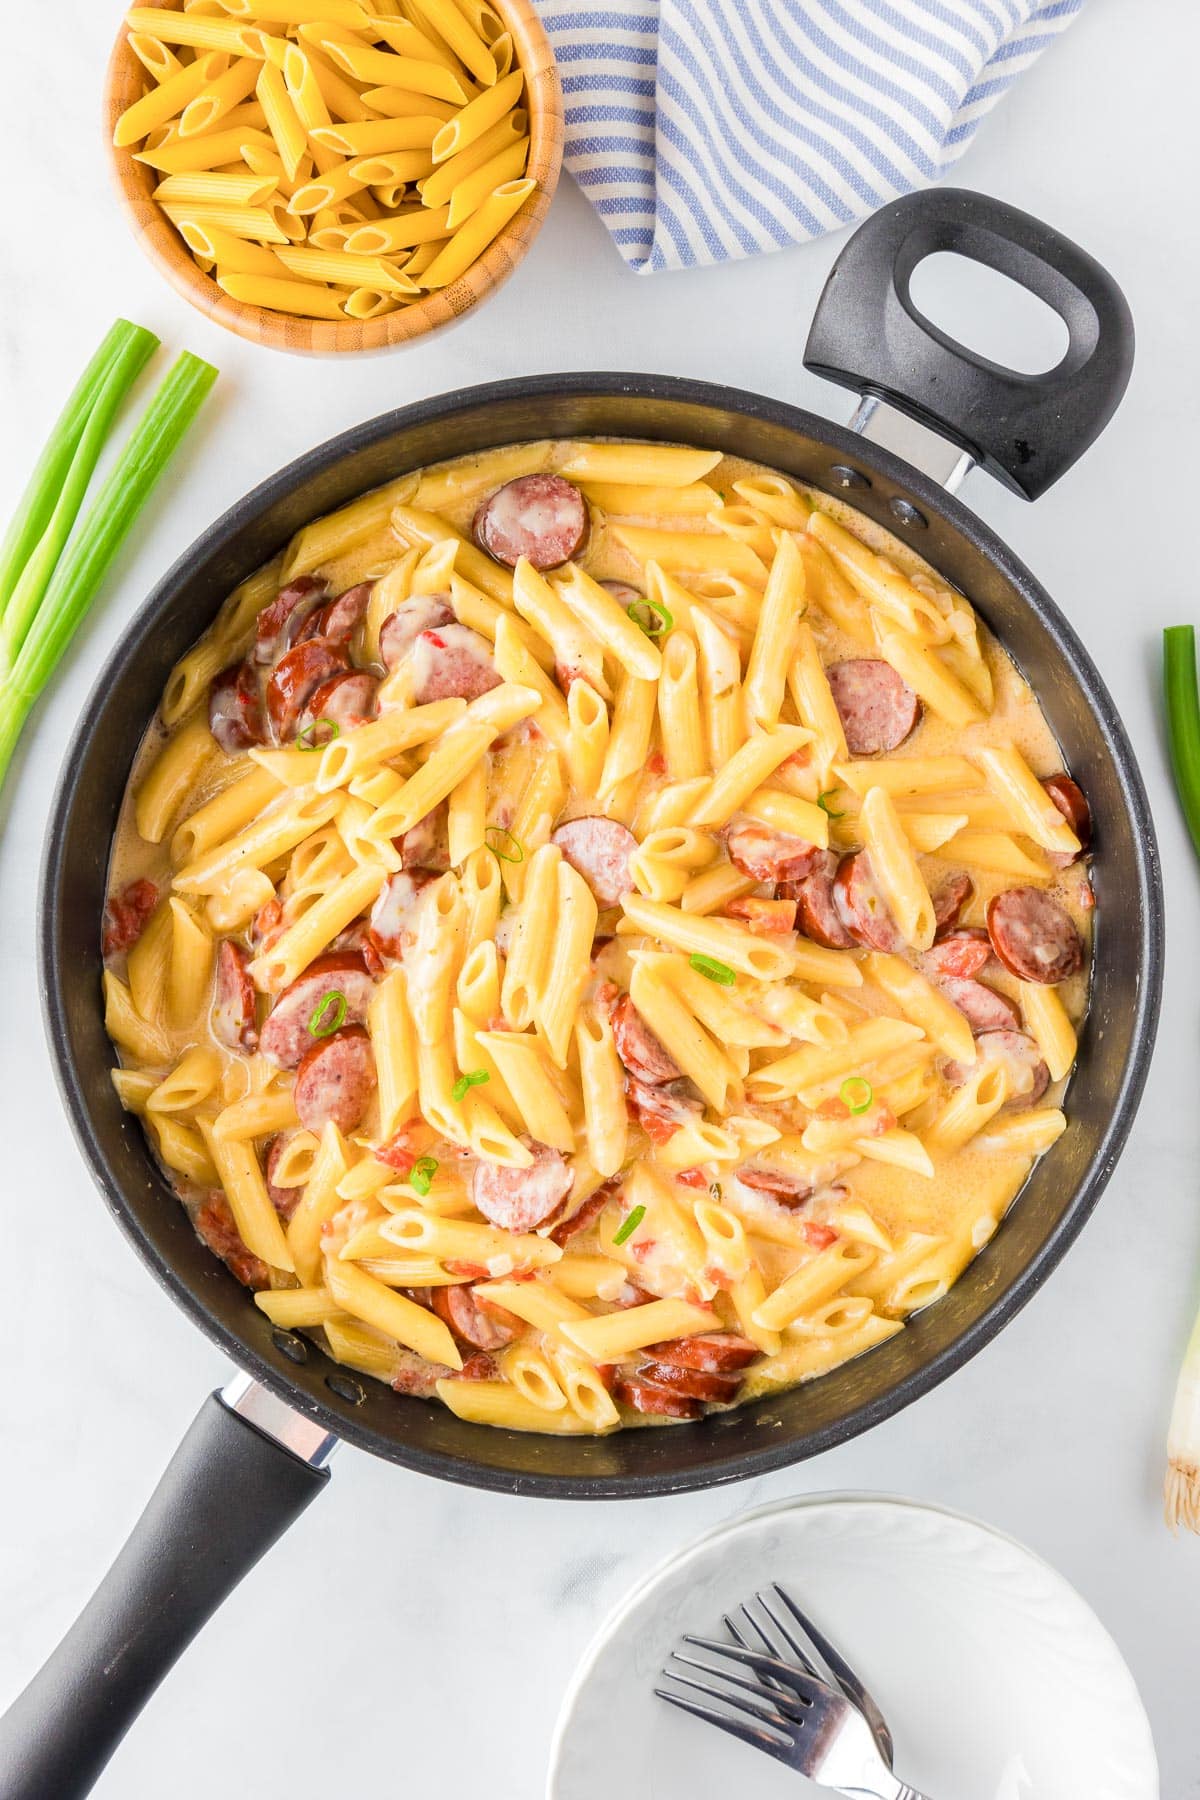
706,130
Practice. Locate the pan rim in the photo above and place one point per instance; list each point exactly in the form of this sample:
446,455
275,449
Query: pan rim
743,1464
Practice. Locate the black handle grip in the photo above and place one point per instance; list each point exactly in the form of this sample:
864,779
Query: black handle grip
226,1495
1026,430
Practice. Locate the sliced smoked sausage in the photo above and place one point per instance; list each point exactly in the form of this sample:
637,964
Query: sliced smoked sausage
401,629
948,903
426,844
1034,936
540,517
295,679
877,707
649,1397
1071,802
600,850
961,954
341,618
817,915
714,1351
452,662
981,1006
690,1384
768,855
390,930
285,1200
638,1048
216,1227
335,1081
344,700
286,1036
487,1327
861,906
276,626
661,1110
521,1199
235,710
234,1001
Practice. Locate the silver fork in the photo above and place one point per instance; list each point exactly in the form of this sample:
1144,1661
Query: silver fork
789,1713
793,1637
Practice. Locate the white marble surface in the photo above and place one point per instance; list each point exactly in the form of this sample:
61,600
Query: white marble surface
343,1662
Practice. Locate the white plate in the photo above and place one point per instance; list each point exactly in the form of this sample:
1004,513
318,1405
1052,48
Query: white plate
997,1681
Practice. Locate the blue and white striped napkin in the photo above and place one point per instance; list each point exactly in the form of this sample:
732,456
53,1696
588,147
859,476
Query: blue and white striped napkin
706,130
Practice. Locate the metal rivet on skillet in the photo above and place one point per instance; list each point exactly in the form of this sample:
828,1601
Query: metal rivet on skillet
907,513
293,1347
346,1388
847,477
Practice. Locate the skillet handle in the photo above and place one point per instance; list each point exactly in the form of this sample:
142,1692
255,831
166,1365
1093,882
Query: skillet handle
1026,430
226,1495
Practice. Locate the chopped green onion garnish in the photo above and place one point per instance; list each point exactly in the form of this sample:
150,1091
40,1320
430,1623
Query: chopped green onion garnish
465,1082
334,1001
857,1094
48,609
823,802
1183,720
421,1175
712,969
307,739
651,617
714,1192
629,1225
503,845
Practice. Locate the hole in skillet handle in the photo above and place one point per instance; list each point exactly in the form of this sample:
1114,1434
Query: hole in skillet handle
1026,430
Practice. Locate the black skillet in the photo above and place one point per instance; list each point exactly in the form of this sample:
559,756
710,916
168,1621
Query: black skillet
254,1457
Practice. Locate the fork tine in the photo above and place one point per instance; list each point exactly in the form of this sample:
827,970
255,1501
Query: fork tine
851,1684
759,1740
762,1711
807,1687
769,1696
769,1644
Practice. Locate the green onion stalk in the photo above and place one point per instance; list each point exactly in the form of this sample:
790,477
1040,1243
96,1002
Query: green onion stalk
1181,1493
60,576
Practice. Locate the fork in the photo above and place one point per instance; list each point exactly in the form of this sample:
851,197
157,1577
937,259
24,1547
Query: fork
796,1717
800,1638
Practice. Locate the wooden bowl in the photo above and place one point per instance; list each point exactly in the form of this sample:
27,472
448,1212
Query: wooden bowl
125,82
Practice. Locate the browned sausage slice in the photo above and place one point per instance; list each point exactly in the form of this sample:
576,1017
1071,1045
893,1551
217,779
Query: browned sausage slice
691,1384
285,1200
861,906
295,679
335,1081
585,1215
720,1351
426,845
600,849
126,914
660,1111
541,517
1034,936
487,1328
341,618
521,1199
215,1227
766,918
648,1397
1028,1075
452,662
344,700
948,903
877,707
286,1036
235,712
277,623
1071,802
638,1048
233,1015
777,1184
962,954
981,1006
768,855
401,629
817,915
390,929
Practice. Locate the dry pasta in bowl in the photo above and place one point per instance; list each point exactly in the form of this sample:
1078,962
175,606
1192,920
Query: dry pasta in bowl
597,932
333,176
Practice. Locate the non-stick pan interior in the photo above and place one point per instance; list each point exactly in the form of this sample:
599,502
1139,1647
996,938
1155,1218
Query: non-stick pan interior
1115,1045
